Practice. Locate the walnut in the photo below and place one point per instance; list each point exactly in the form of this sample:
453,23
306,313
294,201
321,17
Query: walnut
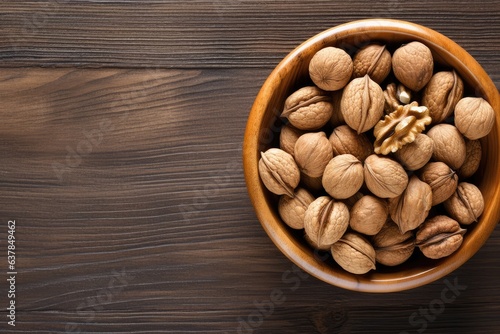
368,215
473,153
345,140
403,94
474,117
374,60
354,253
415,155
391,101
278,171
292,209
396,96
413,65
330,68
325,221
288,138
384,177
362,104
313,244
343,176
391,246
400,128
449,145
442,180
308,108
466,204
439,237
411,208
441,95
312,153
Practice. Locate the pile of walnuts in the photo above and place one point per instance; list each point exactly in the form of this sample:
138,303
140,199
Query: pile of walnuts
369,173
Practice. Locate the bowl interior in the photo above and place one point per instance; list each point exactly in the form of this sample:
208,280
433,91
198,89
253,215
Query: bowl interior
263,132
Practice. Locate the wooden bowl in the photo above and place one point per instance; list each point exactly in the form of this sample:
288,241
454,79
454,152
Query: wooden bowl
263,128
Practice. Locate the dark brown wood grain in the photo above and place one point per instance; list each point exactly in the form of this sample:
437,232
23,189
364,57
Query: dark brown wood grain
120,142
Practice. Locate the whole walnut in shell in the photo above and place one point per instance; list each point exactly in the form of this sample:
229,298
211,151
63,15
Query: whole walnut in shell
288,138
354,253
312,153
325,221
439,237
292,209
413,65
374,60
278,171
368,215
415,155
466,204
330,68
449,145
384,177
411,208
308,108
474,117
345,140
362,104
473,153
442,180
343,176
391,246
441,95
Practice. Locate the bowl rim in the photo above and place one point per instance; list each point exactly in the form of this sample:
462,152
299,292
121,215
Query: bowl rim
280,235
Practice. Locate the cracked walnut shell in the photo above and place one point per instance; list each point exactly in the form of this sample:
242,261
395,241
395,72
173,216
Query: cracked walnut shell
362,104
400,128
308,108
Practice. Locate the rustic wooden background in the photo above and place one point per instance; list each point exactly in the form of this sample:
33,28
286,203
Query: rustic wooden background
121,127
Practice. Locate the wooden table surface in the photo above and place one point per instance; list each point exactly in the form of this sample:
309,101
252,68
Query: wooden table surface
120,142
